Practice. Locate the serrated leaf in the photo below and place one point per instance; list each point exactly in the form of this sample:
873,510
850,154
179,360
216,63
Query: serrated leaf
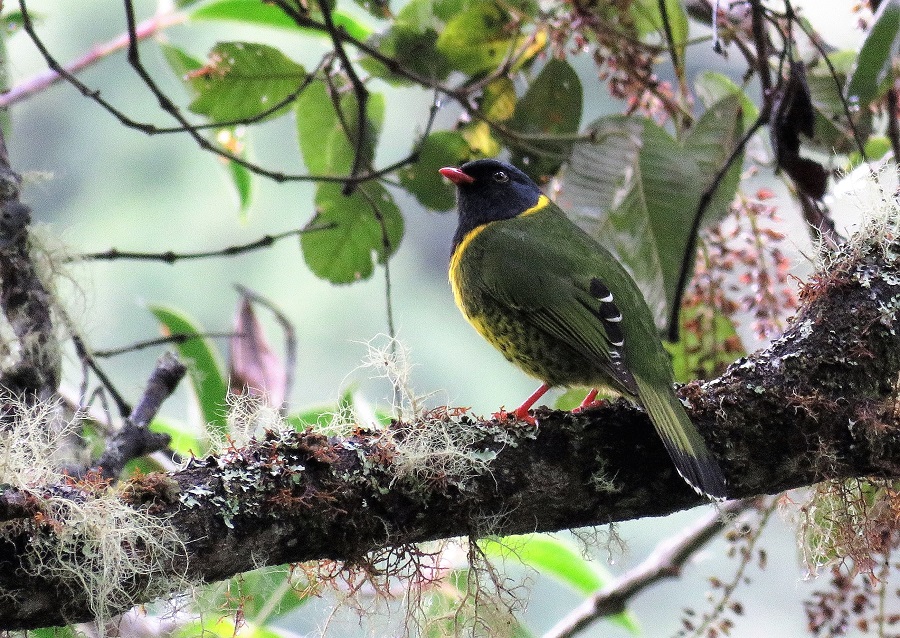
346,252
412,41
878,52
551,106
477,39
204,366
557,558
242,80
327,147
180,61
268,15
636,190
442,148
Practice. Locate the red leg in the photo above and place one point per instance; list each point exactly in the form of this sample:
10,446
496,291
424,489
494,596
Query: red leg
521,412
589,401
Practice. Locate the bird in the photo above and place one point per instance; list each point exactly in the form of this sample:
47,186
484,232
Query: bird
562,308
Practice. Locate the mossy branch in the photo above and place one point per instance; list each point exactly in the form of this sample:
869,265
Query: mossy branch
821,402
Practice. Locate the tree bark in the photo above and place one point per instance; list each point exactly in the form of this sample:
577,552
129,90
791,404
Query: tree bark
820,402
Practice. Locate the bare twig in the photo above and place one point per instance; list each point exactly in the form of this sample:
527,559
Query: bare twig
359,90
135,439
89,362
761,40
746,555
665,561
170,257
691,247
41,81
174,339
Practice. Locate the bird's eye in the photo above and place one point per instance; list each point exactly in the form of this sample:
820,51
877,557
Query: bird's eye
500,177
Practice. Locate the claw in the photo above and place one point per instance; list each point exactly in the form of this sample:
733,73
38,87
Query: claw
590,401
517,414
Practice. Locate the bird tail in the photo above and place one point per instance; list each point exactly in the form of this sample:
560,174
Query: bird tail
683,442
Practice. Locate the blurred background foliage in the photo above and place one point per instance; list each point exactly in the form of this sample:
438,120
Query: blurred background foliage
626,120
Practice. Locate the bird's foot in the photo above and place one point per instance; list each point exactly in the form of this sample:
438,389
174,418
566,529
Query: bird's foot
518,414
590,401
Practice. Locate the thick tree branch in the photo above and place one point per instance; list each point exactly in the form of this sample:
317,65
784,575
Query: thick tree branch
24,301
820,403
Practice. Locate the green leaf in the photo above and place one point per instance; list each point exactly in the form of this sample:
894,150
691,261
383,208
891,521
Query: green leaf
264,593
268,15
242,179
872,75
711,87
183,442
204,366
53,632
442,148
344,254
477,39
554,557
242,80
327,147
876,147
226,627
180,61
636,190
550,106
648,19
498,102
706,350
833,133
13,21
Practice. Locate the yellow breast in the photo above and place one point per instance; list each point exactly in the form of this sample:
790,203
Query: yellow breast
456,279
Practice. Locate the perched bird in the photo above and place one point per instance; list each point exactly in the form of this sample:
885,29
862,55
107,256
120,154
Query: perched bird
562,308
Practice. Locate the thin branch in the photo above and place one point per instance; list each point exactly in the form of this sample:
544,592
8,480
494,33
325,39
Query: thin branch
728,589
359,90
693,235
665,561
173,339
170,257
43,80
761,40
817,43
88,360
135,439
776,421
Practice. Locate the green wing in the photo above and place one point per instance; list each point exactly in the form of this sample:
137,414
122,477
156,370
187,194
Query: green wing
563,280
545,265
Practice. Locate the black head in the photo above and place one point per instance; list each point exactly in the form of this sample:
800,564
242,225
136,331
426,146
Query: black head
487,191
